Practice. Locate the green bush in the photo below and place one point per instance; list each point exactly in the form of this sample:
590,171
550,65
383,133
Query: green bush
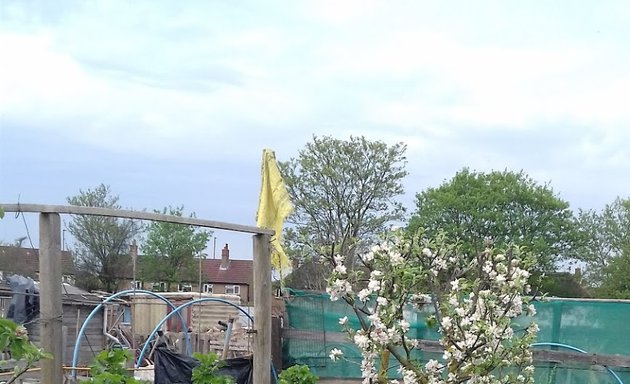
297,374
206,371
108,367
14,338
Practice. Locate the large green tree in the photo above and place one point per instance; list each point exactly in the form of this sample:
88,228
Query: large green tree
344,193
508,207
170,249
102,243
606,247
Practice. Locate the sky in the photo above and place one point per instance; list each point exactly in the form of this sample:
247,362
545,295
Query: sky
172,103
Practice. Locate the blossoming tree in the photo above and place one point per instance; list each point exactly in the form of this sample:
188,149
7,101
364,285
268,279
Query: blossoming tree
473,304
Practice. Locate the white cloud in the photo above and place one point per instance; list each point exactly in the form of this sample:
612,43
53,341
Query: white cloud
505,86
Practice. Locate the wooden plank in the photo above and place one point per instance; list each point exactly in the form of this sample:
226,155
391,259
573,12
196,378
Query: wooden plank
541,355
262,309
51,307
129,214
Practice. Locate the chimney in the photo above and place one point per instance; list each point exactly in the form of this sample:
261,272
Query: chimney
225,257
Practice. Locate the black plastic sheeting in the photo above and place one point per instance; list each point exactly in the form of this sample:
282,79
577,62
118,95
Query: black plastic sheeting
240,368
175,368
171,367
24,306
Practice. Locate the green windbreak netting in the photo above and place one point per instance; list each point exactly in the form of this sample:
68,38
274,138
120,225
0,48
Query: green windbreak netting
600,327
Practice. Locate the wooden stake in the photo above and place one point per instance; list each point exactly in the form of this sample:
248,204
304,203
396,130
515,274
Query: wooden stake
51,312
262,310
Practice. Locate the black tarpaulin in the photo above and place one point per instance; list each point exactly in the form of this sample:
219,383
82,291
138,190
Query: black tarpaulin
240,368
175,368
171,367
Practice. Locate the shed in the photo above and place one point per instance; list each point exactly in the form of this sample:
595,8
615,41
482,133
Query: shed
77,305
149,311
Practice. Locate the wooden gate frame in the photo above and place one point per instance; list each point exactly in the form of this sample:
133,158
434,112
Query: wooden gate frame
51,312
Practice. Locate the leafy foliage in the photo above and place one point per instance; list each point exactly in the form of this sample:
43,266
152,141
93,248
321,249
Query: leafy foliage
14,338
505,206
170,249
606,246
102,242
616,283
297,374
561,284
344,195
108,367
207,370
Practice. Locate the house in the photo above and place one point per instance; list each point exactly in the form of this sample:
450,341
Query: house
228,276
223,276
25,262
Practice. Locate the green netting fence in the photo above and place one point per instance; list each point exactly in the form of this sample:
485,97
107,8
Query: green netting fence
596,326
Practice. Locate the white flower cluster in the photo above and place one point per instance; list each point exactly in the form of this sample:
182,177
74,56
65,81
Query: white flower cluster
474,312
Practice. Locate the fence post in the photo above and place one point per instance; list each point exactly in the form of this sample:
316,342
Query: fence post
262,310
276,340
51,312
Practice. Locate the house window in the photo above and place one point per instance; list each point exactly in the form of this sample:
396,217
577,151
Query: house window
159,287
136,284
184,287
207,288
232,289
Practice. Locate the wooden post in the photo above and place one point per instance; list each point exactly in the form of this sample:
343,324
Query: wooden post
64,344
276,343
262,310
134,258
51,312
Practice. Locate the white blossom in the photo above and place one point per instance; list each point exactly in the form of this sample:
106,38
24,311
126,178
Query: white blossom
374,285
363,294
361,340
404,325
396,258
531,310
433,366
335,354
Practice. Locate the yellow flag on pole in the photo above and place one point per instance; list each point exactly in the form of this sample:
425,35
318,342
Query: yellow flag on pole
274,205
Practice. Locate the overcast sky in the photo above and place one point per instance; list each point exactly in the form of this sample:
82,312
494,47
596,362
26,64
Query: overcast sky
172,102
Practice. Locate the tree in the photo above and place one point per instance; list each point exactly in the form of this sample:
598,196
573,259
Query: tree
616,283
506,206
102,243
170,249
606,245
473,303
344,194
